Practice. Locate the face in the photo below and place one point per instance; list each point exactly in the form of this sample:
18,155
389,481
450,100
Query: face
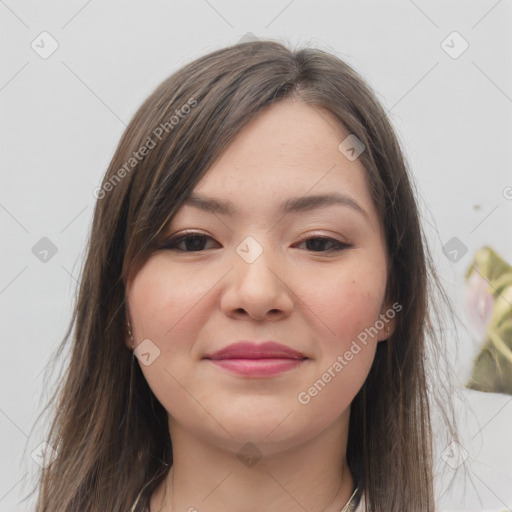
311,278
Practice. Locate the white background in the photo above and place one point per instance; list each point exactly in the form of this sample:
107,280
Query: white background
62,117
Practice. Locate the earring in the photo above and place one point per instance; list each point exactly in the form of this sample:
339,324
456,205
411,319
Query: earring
130,333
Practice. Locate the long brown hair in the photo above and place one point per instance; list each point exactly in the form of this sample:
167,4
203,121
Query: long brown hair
109,430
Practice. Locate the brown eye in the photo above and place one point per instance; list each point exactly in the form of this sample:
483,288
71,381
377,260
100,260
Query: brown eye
190,242
316,244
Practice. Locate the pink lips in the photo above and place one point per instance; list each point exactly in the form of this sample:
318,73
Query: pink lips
257,360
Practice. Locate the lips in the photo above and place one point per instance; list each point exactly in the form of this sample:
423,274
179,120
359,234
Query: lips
249,350
257,360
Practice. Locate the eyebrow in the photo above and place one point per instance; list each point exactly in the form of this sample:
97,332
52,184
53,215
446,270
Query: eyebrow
291,205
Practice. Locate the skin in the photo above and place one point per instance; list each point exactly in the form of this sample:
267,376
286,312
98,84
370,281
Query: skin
296,293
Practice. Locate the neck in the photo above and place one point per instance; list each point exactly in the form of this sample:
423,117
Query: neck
312,475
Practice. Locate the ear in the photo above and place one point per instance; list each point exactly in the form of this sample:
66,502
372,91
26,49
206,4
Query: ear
386,323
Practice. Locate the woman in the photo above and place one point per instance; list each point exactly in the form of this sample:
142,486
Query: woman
251,327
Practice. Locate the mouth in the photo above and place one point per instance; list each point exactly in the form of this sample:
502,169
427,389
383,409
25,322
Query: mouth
257,360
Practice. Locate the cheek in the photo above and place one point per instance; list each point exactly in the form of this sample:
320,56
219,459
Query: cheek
165,308
165,304
169,307
346,302
350,307
329,395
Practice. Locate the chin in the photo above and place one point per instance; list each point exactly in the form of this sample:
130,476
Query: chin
270,432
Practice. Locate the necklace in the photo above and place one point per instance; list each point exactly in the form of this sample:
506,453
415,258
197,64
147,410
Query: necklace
347,507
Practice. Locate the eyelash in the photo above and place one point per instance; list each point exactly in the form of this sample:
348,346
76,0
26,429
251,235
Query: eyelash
172,243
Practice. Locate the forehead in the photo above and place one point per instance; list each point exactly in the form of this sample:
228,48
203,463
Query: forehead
291,149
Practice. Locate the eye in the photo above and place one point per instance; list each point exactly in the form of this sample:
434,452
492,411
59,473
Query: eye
316,243
195,242
192,242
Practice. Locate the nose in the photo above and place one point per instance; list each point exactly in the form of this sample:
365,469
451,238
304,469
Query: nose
257,289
